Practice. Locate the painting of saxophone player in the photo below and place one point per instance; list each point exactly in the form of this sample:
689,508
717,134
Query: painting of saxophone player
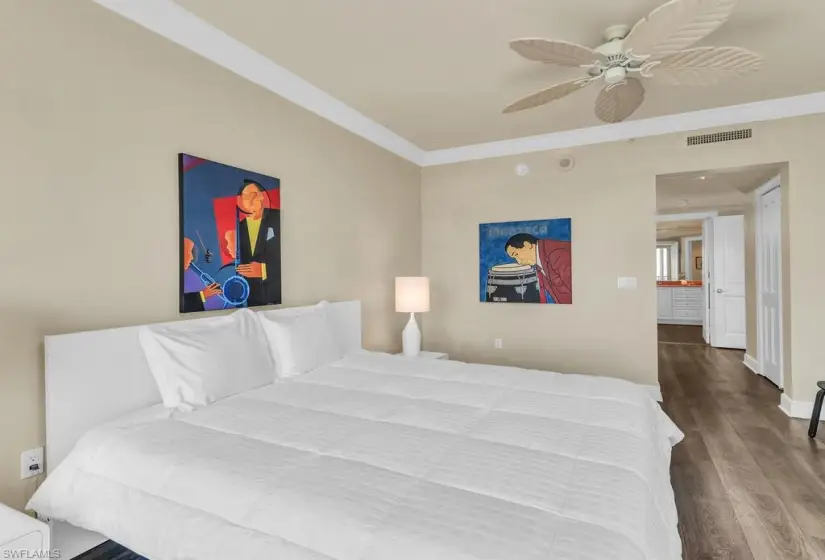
526,262
230,236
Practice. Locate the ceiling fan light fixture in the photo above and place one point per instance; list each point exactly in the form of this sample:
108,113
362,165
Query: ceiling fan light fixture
615,75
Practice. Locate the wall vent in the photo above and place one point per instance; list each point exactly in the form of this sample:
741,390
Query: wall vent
741,134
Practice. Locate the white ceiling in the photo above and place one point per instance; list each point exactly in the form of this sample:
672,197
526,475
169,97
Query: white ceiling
722,190
439,72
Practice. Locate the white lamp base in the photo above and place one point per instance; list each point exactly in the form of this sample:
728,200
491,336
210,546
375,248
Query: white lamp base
411,338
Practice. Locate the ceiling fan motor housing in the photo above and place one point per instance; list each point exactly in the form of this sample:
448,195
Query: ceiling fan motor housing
615,32
611,48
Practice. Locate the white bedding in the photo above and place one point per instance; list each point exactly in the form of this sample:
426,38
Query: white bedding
378,457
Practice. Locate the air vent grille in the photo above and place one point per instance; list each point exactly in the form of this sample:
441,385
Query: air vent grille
741,134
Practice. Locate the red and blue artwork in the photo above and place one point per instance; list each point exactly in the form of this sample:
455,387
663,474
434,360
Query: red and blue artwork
230,236
526,262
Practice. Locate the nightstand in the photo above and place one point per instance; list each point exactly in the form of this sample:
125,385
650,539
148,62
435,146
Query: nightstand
22,536
429,356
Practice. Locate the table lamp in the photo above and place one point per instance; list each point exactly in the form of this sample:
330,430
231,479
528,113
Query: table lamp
412,295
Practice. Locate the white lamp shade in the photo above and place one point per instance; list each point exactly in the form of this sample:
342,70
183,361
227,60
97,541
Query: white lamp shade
412,294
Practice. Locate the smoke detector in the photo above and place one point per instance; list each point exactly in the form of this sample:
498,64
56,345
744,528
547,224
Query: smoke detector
566,163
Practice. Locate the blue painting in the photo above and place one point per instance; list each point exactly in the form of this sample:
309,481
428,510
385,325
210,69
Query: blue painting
526,262
230,236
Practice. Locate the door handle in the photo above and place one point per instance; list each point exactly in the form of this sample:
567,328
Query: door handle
719,290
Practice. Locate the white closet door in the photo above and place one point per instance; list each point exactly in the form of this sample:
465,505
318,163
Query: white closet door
770,271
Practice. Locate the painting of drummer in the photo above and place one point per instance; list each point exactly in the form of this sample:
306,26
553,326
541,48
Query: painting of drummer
552,260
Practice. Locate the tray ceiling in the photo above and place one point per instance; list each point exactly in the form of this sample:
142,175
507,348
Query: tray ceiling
438,73
726,191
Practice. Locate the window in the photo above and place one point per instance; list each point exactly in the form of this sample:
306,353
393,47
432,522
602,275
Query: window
667,267
662,263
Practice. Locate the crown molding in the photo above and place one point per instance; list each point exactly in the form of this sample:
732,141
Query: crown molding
175,23
172,21
685,217
772,109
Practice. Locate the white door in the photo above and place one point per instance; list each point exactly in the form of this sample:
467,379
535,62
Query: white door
728,282
707,279
770,275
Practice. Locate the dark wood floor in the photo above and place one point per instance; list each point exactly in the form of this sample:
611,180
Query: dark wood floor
749,483
109,551
680,334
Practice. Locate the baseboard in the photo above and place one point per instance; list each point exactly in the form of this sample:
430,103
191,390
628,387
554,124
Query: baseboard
796,409
751,363
655,391
683,322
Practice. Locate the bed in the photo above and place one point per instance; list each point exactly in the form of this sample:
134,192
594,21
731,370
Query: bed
370,457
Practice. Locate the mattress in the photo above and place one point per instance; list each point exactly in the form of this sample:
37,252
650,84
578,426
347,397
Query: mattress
379,457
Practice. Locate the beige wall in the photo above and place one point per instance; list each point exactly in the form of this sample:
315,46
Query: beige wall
610,197
605,331
94,110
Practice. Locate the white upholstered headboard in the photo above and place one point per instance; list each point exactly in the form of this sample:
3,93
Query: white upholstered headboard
94,377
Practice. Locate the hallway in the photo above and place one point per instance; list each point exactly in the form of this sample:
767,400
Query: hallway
749,483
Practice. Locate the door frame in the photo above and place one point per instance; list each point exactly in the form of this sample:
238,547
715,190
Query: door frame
707,250
774,183
707,279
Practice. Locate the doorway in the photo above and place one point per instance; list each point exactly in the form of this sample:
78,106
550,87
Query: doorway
722,208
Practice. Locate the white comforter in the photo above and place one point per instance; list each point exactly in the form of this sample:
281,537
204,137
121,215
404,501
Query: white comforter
378,457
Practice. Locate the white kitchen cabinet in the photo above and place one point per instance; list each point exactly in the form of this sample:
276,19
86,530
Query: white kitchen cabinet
665,303
680,305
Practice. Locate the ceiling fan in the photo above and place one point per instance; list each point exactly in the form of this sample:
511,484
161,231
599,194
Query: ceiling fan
655,48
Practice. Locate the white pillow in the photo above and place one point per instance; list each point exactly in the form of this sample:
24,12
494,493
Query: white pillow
301,342
196,363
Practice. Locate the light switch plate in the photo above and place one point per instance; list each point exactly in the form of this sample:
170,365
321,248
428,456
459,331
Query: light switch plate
31,463
627,283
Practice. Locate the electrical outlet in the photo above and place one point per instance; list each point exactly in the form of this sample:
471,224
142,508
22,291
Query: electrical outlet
31,463
499,343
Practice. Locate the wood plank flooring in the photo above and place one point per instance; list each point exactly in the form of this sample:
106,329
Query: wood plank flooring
749,484
109,551
680,334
